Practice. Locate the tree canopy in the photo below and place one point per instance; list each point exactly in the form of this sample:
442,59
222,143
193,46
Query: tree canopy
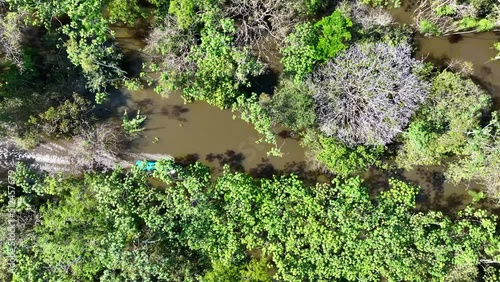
342,80
118,226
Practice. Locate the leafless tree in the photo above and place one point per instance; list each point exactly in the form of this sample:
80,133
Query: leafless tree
368,93
464,68
258,19
169,45
369,17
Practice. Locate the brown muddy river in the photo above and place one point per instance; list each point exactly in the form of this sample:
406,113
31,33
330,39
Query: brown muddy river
198,131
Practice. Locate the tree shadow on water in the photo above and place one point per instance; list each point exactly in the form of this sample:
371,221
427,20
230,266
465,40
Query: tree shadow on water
455,38
188,159
308,177
230,157
288,134
175,112
263,170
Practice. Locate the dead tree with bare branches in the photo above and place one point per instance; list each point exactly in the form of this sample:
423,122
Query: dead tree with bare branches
260,19
367,94
98,147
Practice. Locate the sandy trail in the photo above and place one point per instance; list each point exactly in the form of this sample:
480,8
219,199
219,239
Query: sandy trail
63,157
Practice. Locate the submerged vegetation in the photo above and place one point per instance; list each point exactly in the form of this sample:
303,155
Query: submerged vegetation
348,87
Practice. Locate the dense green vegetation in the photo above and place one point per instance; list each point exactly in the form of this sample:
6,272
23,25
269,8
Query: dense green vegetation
197,227
347,85
310,44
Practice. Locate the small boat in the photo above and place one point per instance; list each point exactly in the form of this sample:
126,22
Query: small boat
146,165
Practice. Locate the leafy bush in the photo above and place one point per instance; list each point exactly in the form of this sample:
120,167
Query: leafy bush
453,109
254,271
445,10
292,106
309,44
333,156
428,28
253,112
496,46
11,35
134,125
313,6
383,3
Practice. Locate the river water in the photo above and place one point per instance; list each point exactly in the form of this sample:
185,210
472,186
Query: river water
198,131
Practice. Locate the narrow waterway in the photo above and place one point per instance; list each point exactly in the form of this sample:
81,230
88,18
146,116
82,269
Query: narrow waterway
198,131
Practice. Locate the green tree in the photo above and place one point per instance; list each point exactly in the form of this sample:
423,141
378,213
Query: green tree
221,68
117,226
334,156
313,43
222,273
334,33
299,52
254,271
86,37
481,158
125,10
453,109
184,11
292,106
105,227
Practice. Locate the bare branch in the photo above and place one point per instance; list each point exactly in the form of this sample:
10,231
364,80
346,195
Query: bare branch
368,94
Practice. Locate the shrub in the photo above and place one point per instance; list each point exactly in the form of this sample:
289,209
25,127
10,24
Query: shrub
481,160
309,44
134,125
292,106
453,109
331,155
66,119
